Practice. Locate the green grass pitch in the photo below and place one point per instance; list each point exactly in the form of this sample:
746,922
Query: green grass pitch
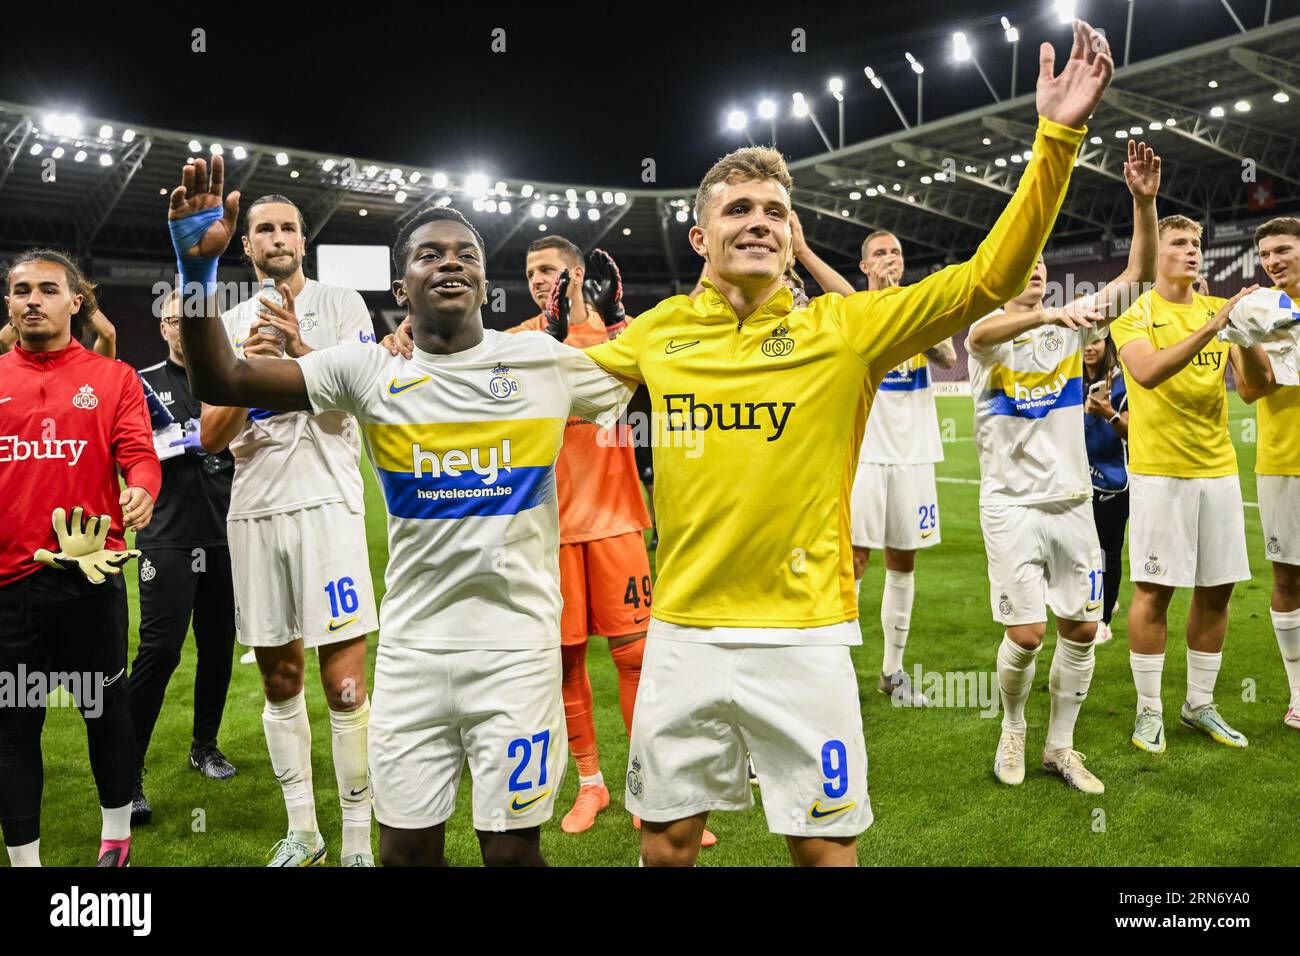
935,800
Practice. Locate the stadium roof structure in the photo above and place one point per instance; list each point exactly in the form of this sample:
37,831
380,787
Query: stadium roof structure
107,192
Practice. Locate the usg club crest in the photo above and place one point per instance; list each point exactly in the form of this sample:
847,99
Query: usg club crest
779,343
1153,565
147,571
635,786
1052,341
1004,605
85,398
502,385
308,322
1273,546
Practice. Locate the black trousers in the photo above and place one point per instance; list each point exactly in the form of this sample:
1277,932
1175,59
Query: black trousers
1110,512
175,584
56,627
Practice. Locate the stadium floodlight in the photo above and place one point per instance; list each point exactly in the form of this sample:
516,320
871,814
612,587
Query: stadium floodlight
80,157
855,195
501,188
1242,106
551,211
1013,37
800,108
999,162
477,204
395,174
590,195
216,149
919,70
541,227
1121,134
620,198
1155,126
736,120
363,212
443,201
526,190
105,159
438,180
194,145
963,52
1213,84
1010,32
490,205
1171,121
1096,140
573,212
926,180
503,207
399,196
239,153
607,197
571,195
327,165
282,159
681,215
128,135
627,230
767,111
1135,130
106,132
537,210
836,87
879,84
900,163
294,174
1281,96
57,152
1065,10
67,125
593,214
476,184
36,149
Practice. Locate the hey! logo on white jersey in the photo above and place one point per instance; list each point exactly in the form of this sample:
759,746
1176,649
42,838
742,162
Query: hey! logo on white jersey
455,460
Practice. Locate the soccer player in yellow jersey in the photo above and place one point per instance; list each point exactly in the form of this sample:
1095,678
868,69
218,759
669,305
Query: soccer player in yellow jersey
1277,465
755,606
1187,528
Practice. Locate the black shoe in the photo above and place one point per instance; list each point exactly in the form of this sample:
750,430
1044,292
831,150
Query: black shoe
211,762
141,812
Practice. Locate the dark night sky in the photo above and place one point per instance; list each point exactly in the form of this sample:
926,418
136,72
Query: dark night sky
583,93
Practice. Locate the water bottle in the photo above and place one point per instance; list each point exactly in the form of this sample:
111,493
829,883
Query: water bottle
270,292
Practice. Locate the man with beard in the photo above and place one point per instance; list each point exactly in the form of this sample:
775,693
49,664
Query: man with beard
298,536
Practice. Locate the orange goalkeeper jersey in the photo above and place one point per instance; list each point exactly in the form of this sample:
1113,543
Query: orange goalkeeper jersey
596,478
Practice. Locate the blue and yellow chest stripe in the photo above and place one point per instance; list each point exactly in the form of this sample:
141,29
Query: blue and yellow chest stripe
1034,394
443,470
912,376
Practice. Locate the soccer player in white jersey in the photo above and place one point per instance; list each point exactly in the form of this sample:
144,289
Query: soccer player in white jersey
464,437
895,503
298,537
1026,372
1277,464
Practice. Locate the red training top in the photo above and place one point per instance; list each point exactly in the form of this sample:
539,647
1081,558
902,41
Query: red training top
65,418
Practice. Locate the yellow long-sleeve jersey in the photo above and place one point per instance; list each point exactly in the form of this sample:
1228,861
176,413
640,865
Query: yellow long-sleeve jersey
758,421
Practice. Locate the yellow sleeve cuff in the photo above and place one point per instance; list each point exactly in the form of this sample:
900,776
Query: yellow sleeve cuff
1054,130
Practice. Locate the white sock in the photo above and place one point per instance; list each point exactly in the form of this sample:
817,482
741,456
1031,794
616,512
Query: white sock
288,740
596,780
1287,626
29,854
117,822
1071,674
858,584
1015,680
1202,672
1147,670
896,617
348,733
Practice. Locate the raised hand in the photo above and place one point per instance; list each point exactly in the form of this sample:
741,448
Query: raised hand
798,245
1142,171
555,317
1076,316
1220,321
1070,98
199,193
603,288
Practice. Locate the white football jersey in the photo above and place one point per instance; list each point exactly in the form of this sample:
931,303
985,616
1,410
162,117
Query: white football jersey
1029,417
285,461
465,446
903,427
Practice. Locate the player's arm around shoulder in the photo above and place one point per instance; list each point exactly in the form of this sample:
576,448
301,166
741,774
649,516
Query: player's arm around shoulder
344,377
621,356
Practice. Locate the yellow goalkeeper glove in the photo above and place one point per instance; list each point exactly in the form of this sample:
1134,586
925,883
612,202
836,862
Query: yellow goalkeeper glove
81,546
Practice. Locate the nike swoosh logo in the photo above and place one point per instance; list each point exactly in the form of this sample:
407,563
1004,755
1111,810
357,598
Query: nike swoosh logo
1022,341
638,620
818,812
281,776
672,346
1158,733
395,389
926,534
1159,325
115,677
3,400
518,807
1092,607
339,625
357,793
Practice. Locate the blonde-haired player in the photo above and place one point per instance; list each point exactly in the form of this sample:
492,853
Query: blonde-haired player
1187,529
1277,464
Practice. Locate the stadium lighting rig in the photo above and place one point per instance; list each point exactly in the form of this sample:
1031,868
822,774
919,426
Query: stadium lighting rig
767,111
1012,36
835,86
800,108
879,84
919,70
963,52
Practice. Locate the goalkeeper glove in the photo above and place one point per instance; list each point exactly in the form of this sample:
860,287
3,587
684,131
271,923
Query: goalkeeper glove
603,288
555,317
81,546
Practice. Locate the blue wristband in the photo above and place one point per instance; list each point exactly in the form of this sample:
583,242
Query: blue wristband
188,232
